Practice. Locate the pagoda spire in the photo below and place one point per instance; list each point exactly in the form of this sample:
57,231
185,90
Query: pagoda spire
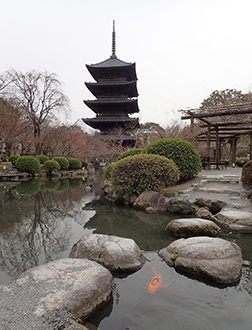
113,42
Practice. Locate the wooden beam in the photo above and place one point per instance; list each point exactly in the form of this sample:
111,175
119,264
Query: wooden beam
219,114
245,122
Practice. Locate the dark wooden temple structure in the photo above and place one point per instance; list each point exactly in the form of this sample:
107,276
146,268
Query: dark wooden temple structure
221,123
115,89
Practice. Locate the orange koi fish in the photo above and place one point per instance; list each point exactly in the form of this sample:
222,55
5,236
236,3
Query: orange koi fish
156,283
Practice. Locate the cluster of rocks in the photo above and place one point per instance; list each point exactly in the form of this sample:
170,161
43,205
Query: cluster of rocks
56,295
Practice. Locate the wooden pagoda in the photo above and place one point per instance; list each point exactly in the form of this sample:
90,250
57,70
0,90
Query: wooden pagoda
116,94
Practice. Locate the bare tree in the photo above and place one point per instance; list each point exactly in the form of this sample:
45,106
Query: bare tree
40,96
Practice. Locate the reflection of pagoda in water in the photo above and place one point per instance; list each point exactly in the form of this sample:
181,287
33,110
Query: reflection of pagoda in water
116,94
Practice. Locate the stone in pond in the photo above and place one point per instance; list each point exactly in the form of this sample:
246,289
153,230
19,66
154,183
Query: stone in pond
193,227
151,200
236,219
114,253
50,296
180,206
214,258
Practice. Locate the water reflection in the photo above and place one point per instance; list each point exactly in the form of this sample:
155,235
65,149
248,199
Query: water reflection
39,222
146,229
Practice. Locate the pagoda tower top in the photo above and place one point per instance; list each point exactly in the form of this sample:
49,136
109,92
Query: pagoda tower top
113,42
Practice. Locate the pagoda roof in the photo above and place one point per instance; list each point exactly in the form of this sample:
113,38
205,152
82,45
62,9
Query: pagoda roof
111,62
106,88
112,68
116,105
109,122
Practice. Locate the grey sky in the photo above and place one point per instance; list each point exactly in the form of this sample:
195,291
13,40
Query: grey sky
183,49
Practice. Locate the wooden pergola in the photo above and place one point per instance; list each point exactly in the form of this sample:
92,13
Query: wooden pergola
225,122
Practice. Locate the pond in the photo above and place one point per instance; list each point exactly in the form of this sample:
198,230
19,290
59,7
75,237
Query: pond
40,220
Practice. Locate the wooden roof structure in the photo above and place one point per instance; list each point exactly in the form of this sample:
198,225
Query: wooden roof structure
227,122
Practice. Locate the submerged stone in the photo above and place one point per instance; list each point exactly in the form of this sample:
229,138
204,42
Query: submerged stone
193,227
213,258
114,253
53,295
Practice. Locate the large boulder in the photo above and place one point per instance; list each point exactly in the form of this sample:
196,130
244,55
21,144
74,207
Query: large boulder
115,253
151,201
180,206
52,295
213,206
236,219
214,258
193,227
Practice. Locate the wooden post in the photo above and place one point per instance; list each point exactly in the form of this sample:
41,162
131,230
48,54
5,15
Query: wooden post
233,149
220,149
192,128
208,146
250,145
217,159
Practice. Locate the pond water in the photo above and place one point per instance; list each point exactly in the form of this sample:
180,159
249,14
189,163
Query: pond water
41,220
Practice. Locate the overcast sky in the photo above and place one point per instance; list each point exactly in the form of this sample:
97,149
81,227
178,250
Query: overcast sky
183,49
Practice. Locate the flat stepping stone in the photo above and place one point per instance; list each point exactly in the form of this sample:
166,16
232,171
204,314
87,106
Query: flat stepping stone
114,253
52,295
193,227
208,257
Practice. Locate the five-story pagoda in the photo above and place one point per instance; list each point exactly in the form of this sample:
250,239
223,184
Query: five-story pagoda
116,94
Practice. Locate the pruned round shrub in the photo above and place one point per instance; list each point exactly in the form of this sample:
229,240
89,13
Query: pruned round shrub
246,177
108,171
13,159
74,163
27,164
183,153
63,162
241,161
131,152
51,165
42,158
134,174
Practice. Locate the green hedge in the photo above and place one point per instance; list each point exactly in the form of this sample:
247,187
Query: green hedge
183,153
42,158
131,152
74,163
13,159
51,165
246,177
241,161
108,171
134,174
27,164
63,162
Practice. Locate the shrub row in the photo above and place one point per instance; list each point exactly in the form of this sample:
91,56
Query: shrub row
31,164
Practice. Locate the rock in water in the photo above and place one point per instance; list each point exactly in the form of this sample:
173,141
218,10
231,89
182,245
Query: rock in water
114,253
151,199
180,206
52,295
213,258
193,227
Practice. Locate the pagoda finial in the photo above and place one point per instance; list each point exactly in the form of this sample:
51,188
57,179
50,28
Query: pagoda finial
113,41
